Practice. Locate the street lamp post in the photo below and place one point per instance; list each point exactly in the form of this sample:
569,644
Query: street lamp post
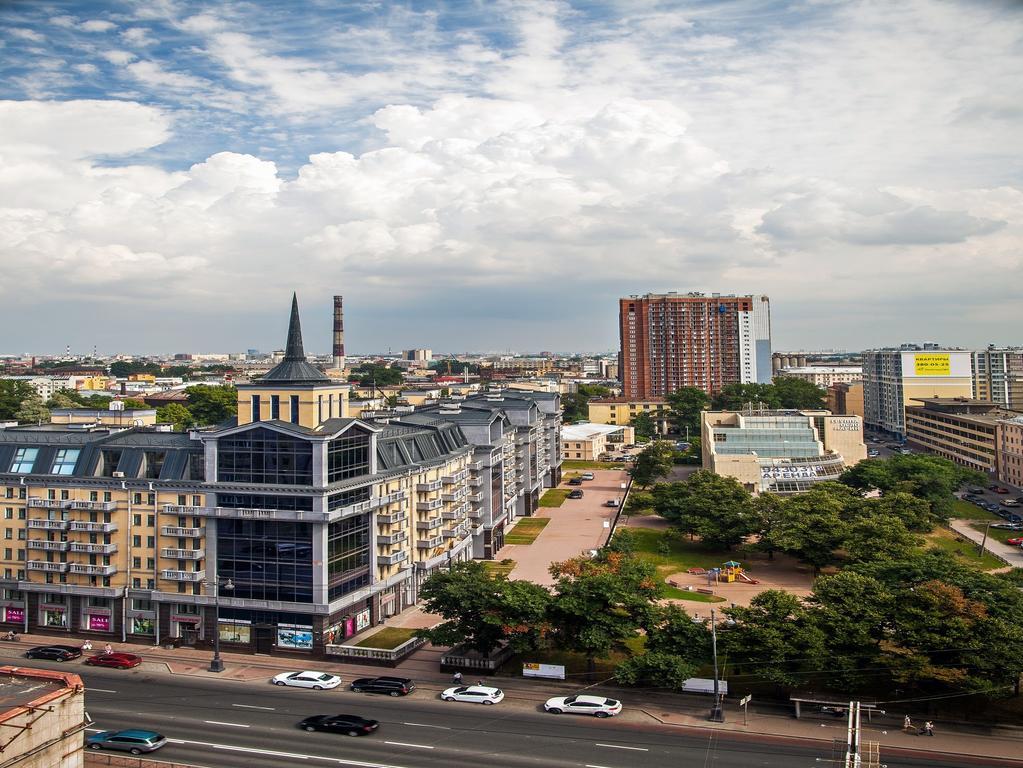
980,550
217,664
717,714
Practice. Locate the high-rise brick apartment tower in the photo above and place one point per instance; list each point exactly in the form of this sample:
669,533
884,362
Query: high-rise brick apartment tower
671,341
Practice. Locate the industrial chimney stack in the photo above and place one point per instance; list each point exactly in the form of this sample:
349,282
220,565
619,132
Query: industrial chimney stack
339,333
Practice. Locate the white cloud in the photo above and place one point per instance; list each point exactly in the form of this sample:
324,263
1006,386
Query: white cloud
86,69
26,34
97,25
151,74
120,58
138,36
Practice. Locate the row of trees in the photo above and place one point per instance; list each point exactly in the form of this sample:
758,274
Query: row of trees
207,404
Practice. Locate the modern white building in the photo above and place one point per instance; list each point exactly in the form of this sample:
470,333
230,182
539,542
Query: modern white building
825,375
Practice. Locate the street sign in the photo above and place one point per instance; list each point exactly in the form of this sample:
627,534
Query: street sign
745,700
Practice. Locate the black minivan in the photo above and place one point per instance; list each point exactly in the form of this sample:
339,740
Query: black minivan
393,686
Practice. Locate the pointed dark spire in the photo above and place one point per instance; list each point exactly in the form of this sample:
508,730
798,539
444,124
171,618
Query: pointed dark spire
294,351
294,369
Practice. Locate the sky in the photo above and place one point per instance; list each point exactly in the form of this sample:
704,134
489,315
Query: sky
493,176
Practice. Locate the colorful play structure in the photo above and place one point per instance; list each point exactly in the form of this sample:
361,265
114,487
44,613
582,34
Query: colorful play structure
727,573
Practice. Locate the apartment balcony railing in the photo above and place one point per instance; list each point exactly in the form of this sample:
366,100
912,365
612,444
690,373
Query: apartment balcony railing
428,487
457,477
391,518
95,506
83,525
93,570
458,495
50,525
370,504
451,514
436,541
429,525
49,503
182,554
476,466
392,538
187,533
475,482
183,575
476,498
43,565
49,546
393,559
93,549
426,506
245,513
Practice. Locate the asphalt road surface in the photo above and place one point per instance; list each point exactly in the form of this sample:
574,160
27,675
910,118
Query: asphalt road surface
229,724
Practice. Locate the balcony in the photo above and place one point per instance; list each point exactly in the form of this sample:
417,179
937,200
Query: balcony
457,477
476,466
428,487
427,506
182,554
476,498
93,570
455,532
50,525
95,506
429,525
393,517
392,559
475,482
370,504
462,509
476,515
93,549
456,496
244,513
82,525
42,565
49,546
183,575
436,541
451,514
188,533
392,538
50,503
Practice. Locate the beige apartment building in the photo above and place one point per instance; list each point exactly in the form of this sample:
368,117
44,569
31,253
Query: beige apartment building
781,452
824,375
621,411
846,399
588,442
1010,451
960,429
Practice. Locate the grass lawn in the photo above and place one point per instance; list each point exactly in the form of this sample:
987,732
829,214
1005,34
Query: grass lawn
388,638
682,554
526,530
963,549
499,567
998,534
577,464
555,497
967,511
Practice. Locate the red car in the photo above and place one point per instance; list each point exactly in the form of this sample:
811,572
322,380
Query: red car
117,660
1015,542
1000,489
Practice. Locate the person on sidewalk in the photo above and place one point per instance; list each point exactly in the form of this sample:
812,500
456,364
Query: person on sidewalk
457,678
907,724
929,728
108,648
87,645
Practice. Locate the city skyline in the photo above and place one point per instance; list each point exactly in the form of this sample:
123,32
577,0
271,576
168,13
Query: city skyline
500,177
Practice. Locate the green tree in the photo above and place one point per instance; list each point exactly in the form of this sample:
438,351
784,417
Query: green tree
32,410
685,406
176,414
457,367
372,373
644,425
575,404
799,393
124,368
737,397
61,399
601,602
655,670
714,507
879,537
813,525
767,512
773,639
672,631
914,513
481,610
652,463
135,403
12,394
211,404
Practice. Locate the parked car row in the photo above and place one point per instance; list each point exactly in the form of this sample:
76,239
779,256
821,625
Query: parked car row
69,652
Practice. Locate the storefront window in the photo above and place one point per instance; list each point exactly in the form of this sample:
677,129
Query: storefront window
143,626
295,636
235,632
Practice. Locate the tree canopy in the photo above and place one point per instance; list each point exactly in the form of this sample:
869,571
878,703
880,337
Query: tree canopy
652,463
685,406
575,404
212,404
715,508
372,373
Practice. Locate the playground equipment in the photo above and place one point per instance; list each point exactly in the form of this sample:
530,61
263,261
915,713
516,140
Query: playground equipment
729,572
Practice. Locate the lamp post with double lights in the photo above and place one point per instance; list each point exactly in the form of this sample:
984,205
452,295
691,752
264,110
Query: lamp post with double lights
217,664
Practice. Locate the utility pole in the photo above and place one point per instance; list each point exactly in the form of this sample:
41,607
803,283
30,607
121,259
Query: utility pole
980,551
717,715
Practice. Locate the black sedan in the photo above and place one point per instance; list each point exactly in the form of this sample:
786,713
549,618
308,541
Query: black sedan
54,652
393,686
353,725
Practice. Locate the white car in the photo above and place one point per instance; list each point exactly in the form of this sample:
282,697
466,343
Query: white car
477,694
318,681
582,704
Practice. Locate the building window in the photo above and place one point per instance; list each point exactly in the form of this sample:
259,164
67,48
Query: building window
294,409
348,456
275,407
264,456
266,560
24,459
65,460
255,408
347,556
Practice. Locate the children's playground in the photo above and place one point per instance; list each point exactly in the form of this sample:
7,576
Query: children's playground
738,583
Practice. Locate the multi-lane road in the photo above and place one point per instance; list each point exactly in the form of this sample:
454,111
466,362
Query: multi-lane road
227,724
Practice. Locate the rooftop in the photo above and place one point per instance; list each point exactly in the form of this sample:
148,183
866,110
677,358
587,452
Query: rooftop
294,369
23,687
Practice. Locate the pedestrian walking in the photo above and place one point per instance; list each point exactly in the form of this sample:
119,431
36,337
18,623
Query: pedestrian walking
929,728
457,678
907,724
479,682
87,645
108,648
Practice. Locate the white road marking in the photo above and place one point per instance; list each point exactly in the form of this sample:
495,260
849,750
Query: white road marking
595,766
619,746
337,760
233,725
101,690
405,744
253,706
427,725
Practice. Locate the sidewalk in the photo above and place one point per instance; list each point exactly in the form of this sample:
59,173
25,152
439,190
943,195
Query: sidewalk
1012,555
1003,745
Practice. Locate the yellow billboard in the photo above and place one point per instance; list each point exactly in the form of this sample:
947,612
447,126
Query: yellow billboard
933,365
